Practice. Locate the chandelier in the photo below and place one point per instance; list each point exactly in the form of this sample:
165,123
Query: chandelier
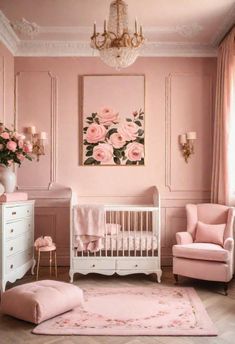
118,47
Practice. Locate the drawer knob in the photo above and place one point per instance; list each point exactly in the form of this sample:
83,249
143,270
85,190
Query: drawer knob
13,213
11,266
11,249
136,265
93,265
12,230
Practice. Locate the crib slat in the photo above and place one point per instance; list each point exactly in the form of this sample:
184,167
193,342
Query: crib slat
129,228
141,231
123,227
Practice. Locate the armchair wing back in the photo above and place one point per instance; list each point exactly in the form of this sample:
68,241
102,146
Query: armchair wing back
212,214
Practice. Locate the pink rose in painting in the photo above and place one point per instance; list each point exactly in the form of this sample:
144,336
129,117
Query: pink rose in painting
129,130
103,152
117,140
5,135
108,116
11,145
95,133
134,151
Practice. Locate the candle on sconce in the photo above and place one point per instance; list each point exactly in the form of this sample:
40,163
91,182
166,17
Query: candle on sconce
136,26
105,26
141,30
42,135
183,139
94,28
32,130
191,135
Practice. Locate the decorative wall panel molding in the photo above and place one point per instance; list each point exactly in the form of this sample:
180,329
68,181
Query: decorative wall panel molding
193,94
32,79
2,89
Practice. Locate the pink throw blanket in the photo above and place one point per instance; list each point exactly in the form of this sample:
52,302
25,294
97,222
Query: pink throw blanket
89,227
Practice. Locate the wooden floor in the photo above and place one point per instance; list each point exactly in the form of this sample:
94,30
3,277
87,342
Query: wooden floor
220,308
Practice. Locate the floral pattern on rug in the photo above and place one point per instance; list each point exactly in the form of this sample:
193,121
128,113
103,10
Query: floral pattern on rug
134,311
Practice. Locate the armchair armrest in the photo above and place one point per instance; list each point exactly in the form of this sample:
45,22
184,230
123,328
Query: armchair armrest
229,244
183,238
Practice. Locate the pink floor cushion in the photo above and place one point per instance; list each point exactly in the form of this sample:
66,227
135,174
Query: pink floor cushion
39,301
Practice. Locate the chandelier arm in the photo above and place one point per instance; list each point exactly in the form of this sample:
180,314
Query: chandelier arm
118,47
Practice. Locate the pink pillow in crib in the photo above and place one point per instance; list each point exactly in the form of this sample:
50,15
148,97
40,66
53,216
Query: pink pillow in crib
41,300
112,228
213,234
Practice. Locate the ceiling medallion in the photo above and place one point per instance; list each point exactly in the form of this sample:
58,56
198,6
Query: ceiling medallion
117,45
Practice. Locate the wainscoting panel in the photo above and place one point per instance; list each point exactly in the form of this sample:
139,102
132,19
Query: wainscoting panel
2,90
54,222
36,95
188,108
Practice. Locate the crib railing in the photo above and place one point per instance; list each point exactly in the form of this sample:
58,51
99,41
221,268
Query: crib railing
131,231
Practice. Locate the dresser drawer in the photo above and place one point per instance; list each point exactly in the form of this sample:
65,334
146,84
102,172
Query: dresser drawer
17,260
19,244
18,212
15,228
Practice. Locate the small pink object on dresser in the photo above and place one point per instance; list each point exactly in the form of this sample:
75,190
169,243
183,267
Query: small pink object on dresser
39,301
13,196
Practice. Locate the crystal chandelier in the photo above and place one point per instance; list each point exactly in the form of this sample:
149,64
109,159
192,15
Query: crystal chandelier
118,47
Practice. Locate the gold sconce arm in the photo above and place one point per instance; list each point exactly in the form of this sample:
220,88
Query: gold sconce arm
38,141
187,144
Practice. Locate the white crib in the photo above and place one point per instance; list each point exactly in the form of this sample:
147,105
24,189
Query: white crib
133,246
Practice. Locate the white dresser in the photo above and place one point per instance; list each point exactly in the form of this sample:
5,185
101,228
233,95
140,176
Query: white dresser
16,240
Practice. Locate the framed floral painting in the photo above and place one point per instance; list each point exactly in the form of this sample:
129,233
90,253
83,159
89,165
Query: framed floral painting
113,120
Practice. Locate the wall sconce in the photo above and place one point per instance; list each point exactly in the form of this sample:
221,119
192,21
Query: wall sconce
38,141
187,144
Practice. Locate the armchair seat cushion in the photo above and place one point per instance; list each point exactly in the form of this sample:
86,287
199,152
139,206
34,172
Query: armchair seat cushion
201,251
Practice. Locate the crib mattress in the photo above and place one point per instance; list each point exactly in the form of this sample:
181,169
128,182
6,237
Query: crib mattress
125,241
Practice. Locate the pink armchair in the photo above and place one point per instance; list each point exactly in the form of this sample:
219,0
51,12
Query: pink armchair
205,250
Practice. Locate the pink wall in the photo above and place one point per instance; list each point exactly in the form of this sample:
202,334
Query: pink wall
6,86
179,98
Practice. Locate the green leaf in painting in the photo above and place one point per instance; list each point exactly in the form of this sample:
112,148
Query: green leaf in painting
117,161
89,161
141,162
89,153
138,123
117,153
111,131
140,132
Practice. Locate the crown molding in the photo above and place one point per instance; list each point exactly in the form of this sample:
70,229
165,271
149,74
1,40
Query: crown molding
79,48
7,34
34,47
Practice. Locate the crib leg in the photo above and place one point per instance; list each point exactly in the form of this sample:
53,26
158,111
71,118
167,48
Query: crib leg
71,273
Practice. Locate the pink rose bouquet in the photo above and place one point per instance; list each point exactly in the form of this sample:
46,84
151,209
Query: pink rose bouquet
108,140
13,147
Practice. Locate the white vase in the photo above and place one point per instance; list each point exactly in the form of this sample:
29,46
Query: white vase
7,178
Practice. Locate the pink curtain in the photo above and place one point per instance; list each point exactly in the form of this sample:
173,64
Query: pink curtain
223,124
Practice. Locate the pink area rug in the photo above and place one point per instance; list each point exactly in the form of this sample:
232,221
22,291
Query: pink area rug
135,311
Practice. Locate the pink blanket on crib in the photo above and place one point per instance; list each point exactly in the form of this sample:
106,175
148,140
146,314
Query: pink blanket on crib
89,227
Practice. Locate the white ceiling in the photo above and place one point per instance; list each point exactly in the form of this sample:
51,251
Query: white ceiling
63,27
